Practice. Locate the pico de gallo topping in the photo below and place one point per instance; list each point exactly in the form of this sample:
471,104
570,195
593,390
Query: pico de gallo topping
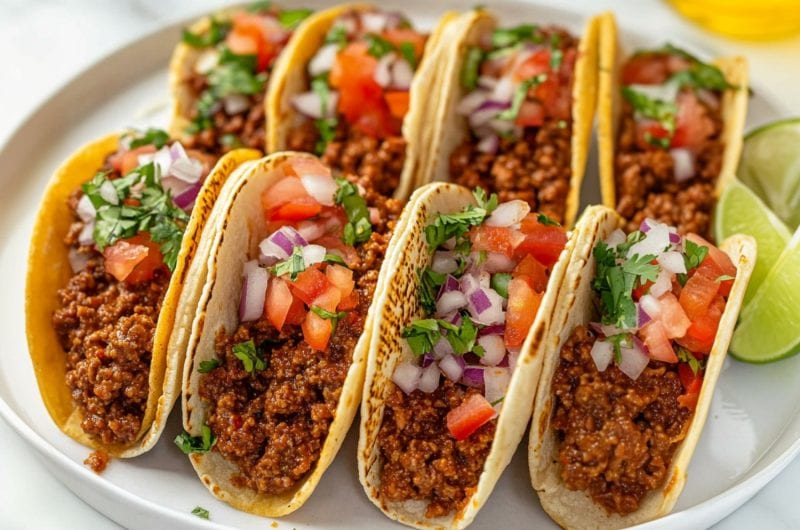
489,269
362,76
135,212
235,55
675,98
662,298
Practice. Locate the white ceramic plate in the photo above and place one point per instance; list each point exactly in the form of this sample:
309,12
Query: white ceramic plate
753,430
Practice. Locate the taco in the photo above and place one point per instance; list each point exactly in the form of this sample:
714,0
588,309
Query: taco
669,132
456,352
220,73
353,88
276,358
640,336
516,111
110,254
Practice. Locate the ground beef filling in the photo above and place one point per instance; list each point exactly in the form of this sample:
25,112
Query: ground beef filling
353,152
97,461
245,129
535,168
106,328
421,460
273,423
616,435
646,185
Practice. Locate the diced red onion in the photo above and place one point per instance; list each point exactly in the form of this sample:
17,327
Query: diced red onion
486,306
642,317
382,74
487,82
402,74
185,200
163,159
683,164
235,104
616,237
662,284
86,209
503,90
86,237
634,360
450,284
187,170
77,260
497,329
494,348
673,262
489,144
321,187
513,355
473,376
427,359
449,302
311,230
503,362
655,241
281,243
429,380
469,284
108,192
602,352
452,366
486,113
442,348
496,262
444,262
177,151
509,213
650,305
323,60
674,237
254,291
313,254
373,22
496,380
471,102
644,226
406,376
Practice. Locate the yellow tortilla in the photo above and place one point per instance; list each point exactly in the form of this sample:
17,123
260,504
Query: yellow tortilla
49,270
398,307
575,509
449,129
609,103
290,79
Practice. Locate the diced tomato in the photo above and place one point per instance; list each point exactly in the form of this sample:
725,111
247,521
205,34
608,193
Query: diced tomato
532,271
341,278
655,338
241,43
297,312
297,210
698,293
720,260
317,331
278,302
398,101
673,317
328,299
693,125
648,130
692,384
300,166
543,242
285,190
523,304
349,303
134,260
398,36
531,114
641,290
126,161
253,34
468,417
699,338
309,285
537,63
495,239
645,69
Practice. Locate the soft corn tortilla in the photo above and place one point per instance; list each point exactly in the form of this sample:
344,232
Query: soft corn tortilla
290,79
609,108
49,270
449,129
575,509
398,307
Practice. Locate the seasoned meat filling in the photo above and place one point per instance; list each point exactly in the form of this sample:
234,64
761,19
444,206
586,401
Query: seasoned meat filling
421,459
616,436
273,423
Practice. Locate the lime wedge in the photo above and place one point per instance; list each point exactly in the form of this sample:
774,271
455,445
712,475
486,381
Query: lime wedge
770,166
769,327
740,211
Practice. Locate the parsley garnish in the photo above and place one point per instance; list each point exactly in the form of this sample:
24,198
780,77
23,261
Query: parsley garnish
614,283
207,366
499,283
216,33
334,317
378,46
158,138
520,95
693,256
462,338
546,221
406,49
641,267
251,358
293,265
502,38
455,225
196,444
200,512
686,356
422,335
470,70
358,228
291,18
430,282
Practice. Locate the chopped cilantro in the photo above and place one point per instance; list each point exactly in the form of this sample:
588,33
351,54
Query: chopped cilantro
334,317
293,265
617,341
334,258
502,38
462,338
230,140
487,204
200,512
447,226
430,283
196,444
337,35
556,57
520,95
251,358
422,335
699,74
497,401
207,366
215,34
642,268
546,221
499,283
358,228
378,46
724,278
291,18
470,70
686,356
663,112
406,49
561,124
614,285
326,126
155,137
257,7
651,139
694,254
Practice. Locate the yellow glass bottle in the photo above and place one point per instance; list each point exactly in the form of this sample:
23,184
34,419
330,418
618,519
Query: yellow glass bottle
744,19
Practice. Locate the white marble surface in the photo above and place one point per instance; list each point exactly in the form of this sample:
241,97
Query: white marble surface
43,44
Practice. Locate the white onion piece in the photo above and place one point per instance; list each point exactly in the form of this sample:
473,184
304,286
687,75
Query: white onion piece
308,104
667,92
86,237
471,102
487,82
483,116
650,305
633,362
86,209
187,170
402,74
108,192
484,279
502,126
429,380
673,262
662,284
442,348
373,22
495,383
469,283
444,262
406,376
163,159
683,164
311,230
77,260
496,262
509,213
449,302
313,254
494,348
254,291
490,304
383,74
655,241
450,367
324,59
321,187
503,90
176,151
616,237
235,104
601,353
206,61
490,144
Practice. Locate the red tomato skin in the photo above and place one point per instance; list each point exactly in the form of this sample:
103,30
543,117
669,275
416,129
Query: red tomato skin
297,210
532,271
317,331
531,114
469,416
523,304
350,302
693,125
341,278
673,317
700,290
134,260
543,242
655,338
278,302
692,384
495,239
400,35
300,166
126,161
700,336
645,69
285,190
309,285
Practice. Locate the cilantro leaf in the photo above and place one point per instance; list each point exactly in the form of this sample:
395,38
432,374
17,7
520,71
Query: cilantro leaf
519,97
502,38
724,278
358,228
334,317
196,444
291,18
408,52
158,138
487,204
462,338
556,58
200,512
641,267
256,7
293,265
422,335
546,221
326,126
335,258
664,112
215,34
430,282
686,356
378,46
251,358
337,35
470,69
694,254
447,226
207,366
